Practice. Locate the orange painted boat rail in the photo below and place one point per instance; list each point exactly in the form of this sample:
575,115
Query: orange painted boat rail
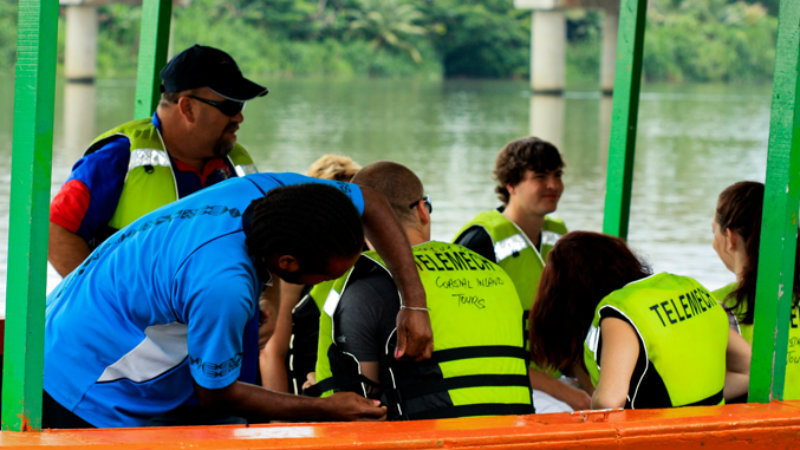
774,426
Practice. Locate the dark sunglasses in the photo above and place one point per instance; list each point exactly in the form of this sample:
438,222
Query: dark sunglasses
427,200
228,107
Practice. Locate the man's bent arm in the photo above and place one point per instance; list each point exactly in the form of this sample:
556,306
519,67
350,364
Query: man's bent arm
66,250
261,405
414,335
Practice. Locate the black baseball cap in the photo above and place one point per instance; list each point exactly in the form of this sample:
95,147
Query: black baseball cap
201,66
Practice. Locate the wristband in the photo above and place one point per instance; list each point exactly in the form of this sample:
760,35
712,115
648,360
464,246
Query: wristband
415,308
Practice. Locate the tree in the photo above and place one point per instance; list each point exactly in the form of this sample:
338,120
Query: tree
387,24
479,38
8,35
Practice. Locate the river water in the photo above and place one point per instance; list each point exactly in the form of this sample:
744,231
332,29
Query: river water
693,140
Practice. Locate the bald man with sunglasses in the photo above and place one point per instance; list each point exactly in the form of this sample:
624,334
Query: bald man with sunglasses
188,144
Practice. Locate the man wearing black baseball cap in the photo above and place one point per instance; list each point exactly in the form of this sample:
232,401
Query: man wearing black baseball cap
201,66
188,144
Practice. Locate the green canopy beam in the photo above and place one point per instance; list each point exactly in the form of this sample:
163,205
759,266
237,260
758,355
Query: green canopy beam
34,97
776,257
624,115
153,47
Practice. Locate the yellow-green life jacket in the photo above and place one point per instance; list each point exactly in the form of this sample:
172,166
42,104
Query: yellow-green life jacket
684,331
479,364
517,255
302,352
326,296
791,387
150,182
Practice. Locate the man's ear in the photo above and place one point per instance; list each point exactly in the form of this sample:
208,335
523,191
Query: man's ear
510,188
422,213
288,263
186,109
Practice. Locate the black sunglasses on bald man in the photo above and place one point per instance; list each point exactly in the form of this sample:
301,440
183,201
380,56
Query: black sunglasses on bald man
427,200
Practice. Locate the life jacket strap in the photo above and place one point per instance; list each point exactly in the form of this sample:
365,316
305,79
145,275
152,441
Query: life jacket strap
711,400
413,389
331,384
316,390
482,351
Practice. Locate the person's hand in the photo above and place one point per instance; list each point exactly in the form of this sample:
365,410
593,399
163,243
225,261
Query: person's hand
578,399
350,406
311,379
414,335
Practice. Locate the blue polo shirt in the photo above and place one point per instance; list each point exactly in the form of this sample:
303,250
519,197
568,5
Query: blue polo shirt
159,305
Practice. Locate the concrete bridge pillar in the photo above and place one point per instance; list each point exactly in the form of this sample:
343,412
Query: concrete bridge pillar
548,52
608,57
80,53
546,119
549,42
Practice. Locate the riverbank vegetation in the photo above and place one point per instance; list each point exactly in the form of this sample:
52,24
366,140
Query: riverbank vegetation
687,40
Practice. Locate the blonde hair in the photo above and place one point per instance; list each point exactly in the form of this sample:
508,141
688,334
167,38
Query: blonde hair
333,167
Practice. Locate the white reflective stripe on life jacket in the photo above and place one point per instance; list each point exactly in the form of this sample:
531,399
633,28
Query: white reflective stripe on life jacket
593,339
148,157
508,246
549,238
331,302
244,169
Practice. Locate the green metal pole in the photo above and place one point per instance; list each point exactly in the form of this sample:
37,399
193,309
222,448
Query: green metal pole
776,257
153,47
34,97
624,114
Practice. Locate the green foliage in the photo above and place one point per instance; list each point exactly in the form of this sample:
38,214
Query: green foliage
583,25
583,63
687,40
118,39
379,48
290,18
709,40
8,35
479,38
771,5
388,24
584,35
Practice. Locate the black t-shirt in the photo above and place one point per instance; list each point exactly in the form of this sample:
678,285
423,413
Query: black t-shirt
367,312
478,240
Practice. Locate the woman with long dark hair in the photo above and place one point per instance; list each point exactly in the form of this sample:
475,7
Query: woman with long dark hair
647,341
737,233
